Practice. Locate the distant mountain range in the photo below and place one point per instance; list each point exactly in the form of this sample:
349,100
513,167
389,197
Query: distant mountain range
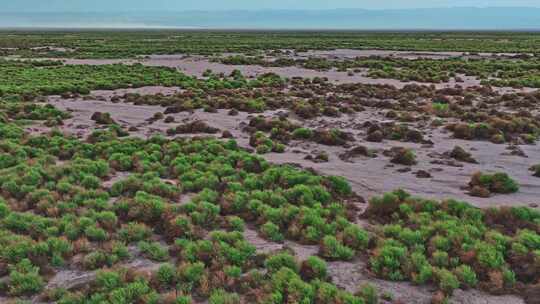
462,18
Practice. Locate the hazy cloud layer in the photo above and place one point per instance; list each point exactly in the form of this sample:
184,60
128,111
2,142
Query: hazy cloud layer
116,5
442,18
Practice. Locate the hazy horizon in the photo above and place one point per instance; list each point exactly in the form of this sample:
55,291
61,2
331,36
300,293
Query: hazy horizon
150,11
411,18
172,5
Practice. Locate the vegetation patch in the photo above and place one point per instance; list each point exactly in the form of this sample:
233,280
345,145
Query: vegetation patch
452,244
483,184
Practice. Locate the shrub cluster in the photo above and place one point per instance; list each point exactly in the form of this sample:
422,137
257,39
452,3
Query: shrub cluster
57,214
483,184
453,244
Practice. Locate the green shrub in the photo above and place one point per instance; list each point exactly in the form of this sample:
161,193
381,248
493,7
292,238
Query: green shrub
166,274
339,185
466,276
134,292
368,293
183,300
97,259
120,162
441,243
488,256
333,249
388,261
233,271
314,268
404,156
134,232
271,231
236,223
205,214
287,283
529,239
24,279
440,108
497,183
502,183
277,261
95,234
220,296
440,259
509,278
119,250
147,207
108,280
355,237
90,182
153,251
191,272
302,133
425,274
447,281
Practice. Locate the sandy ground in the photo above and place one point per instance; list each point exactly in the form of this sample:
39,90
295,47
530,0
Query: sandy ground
196,65
351,54
368,176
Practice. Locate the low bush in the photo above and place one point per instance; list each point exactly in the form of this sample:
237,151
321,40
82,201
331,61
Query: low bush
166,275
134,232
536,170
403,156
333,249
220,296
275,262
494,183
466,275
302,133
153,251
272,232
24,279
368,293
314,268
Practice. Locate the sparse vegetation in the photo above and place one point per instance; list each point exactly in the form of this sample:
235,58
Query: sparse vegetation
172,209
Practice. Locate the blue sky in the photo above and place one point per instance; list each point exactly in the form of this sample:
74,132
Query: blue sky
115,5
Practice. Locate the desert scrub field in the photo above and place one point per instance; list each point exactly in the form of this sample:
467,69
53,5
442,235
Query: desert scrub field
125,44
472,114
518,71
129,183
60,215
57,213
33,78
